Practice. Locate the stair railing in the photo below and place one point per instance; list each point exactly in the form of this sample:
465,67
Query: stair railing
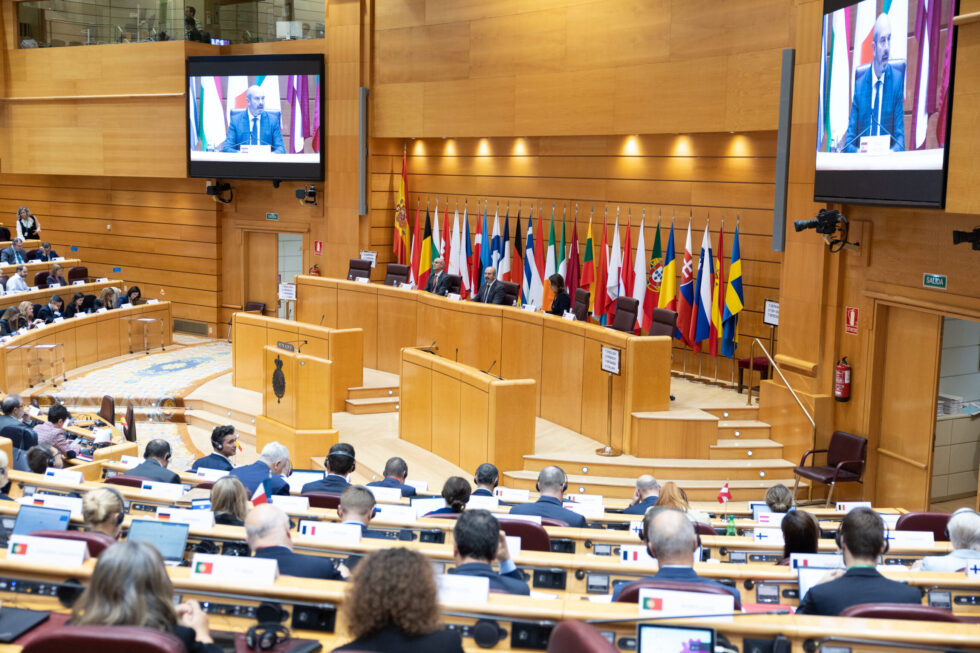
756,341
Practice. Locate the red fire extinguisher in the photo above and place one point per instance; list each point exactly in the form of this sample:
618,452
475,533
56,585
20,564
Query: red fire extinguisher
842,380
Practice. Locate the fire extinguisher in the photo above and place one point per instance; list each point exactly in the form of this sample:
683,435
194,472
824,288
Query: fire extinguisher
315,270
842,380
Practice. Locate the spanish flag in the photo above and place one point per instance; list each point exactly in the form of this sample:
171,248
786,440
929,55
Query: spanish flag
425,255
400,242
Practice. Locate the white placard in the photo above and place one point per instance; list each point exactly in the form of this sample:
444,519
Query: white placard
34,288
768,536
33,411
587,510
635,554
422,506
362,280
64,475
534,519
385,494
130,461
848,506
58,258
568,315
530,308
511,495
454,588
480,502
406,286
330,531
973,571
54,285
234,569
287,291
771,519
369,255
291,504
770,315
891,521
911,539
126,305
584,498
636,528
102,310
513,545
49,551
420,486
610,360
197,518
102,280
72,504
152,301
816,560
163,490
668,603
102,435
209,474
453,296
400,514
78,282
58,320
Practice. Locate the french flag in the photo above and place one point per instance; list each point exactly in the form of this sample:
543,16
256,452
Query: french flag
263,493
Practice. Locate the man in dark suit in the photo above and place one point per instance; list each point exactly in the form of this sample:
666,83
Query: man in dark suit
154,466
45,253
861,537
224,441
438,282
22,436
491,291
254,126
267,534
477,542
15,253
396,471
339,464
272,463
51,310
879,95
552,483
670,538
486,480
645,496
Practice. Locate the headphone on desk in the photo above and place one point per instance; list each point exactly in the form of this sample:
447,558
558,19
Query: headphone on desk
266,636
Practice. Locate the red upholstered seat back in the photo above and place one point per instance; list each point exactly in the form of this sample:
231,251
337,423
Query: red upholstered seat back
578,637
925,521
631,592
533,537
100,639
323,499
845,446
904,611
97,542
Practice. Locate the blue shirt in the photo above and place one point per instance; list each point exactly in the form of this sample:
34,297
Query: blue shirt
642,507
407,490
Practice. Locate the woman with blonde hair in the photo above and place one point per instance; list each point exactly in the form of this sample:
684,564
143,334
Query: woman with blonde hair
229,501
103,510
55,277
392,606
11,321
107,298
130,587
673,496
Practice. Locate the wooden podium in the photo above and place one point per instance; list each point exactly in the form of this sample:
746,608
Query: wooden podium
295,407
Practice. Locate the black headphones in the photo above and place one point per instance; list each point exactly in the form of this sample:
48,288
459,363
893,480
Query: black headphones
218,435
564,483
122,503
839,538
266,636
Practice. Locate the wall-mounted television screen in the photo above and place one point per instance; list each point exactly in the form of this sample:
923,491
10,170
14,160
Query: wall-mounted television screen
255,117
886,85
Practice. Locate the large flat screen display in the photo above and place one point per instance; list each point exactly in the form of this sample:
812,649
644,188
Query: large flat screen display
886,84
255,117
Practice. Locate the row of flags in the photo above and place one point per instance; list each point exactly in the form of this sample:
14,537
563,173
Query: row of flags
707,308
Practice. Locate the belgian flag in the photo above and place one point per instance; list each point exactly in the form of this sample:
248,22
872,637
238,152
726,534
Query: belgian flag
425,255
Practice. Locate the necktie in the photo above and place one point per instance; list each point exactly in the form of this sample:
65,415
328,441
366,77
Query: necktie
874,109
486,295
255,131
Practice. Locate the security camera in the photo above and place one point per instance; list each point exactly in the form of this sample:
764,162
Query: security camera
972,237
218,190
830,224
307,195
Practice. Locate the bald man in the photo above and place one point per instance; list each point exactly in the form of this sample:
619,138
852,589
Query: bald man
255,125
492,291
879,93
645,497
267,533
438,282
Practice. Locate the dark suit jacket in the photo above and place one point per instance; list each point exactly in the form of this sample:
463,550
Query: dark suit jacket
152,470
9,256
550,507
392,640
213,461
642,507
860,122
481,492
297,564
440,287
512,583
47,314
41,256
329,483
407,490
252,476
239,131
51,280
22,436
561,304
497,294
857,585
686,575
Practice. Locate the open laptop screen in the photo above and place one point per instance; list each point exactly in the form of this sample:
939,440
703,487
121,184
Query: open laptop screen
656,638
168,538
36,518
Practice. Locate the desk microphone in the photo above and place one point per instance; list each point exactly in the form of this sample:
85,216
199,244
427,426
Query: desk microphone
321,318
487,371
431,348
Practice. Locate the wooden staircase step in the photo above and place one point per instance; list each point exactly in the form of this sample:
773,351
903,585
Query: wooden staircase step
206,421
741,412
372,405
371,392
743,449
743,428
628,467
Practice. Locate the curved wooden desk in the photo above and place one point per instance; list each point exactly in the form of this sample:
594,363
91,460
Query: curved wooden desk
562,357
44,296
36,266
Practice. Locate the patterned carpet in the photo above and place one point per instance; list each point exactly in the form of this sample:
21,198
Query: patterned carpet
174,433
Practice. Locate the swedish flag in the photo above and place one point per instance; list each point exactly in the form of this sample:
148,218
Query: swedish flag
733,303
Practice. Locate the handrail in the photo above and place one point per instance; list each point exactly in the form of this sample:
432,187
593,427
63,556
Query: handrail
756,341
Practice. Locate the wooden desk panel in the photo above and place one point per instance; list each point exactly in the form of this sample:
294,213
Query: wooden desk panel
563,361
357,308
44,296
33,267
445,398
397,325
415,402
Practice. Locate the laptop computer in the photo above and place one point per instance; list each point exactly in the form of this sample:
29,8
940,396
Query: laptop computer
657,638
169,538
37,518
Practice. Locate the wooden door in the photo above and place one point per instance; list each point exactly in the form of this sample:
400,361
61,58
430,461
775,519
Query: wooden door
262,269
907,351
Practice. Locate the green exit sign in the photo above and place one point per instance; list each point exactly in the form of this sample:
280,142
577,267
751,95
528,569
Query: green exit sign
934,281
271,216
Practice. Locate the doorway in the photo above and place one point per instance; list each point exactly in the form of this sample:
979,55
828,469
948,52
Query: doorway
290,264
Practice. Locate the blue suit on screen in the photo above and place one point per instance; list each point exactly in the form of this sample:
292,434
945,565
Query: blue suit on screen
239,131
860,122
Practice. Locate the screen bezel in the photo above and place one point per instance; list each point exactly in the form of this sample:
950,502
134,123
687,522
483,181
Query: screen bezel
887,187
271,64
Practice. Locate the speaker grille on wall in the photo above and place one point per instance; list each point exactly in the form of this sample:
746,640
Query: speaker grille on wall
362,153
782,149
191,326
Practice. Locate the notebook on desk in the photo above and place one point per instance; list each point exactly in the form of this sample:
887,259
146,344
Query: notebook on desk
14,622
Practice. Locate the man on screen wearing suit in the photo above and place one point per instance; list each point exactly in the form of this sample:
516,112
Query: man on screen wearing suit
438,282
254,126
492,291
879,94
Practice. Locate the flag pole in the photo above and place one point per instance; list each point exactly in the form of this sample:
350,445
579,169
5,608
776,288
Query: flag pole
721,257
738,221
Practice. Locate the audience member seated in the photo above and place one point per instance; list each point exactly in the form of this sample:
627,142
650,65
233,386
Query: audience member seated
42,456
154,466
357,507
486,479
477,542
12,321
779,498
18,281
273,462
551,485
562,301
224,441
4,478
15,253
673,496
393,606
670,538
28,227
51,310
645,497
11,425
103,510
46,253
75,306
55,278
52,432
456,492
107,299
27,310
130,587
396,471
268,536
801,534
964,534
340,464
861,537
229,501
132,296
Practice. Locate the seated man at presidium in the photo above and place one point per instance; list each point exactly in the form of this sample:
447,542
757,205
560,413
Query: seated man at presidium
255,125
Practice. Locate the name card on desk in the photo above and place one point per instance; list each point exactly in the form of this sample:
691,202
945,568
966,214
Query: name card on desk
423,505
64,475
513,545
234,569
635,553
848,506
568,315
509,495
668,603
453,296
197,518
386,494
163,490
910,539
771,518
420,486
330,531
391,512
126,305
482,503
59,318
816,560
58,258
152,301
462,589
102,280
54,285
132,461
78,282
768,536
891,521
587,509
73,504
33,411
530,308
407,286
47,550
34,288
291,504
204,472
102,310
362,280
636,527
584,498
102,435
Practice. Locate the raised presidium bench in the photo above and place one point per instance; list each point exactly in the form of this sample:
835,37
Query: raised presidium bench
561,357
